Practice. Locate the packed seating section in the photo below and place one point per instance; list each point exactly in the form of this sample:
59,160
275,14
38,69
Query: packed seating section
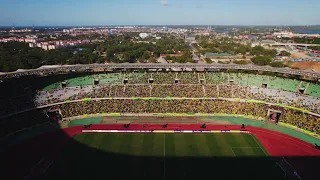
30,93
27,93
301,120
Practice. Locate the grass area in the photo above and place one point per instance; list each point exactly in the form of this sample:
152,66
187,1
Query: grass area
163,156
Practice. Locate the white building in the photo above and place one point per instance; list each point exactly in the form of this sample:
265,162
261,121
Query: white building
44,46
29,40
32,45
51,46
283,34
144,35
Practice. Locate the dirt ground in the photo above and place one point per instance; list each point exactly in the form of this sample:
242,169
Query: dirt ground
315,66
160,120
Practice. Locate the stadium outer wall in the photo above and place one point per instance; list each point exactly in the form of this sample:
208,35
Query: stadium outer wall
20,159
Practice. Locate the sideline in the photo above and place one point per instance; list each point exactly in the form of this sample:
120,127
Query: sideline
259,145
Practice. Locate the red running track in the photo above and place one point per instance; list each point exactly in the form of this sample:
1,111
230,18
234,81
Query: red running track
277,144
19,159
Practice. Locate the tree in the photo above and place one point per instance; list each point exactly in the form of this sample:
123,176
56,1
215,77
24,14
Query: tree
110,53
169,58
261,60
152,60
208,60
260,51
277,64
316,41
284,53
145,56
241,62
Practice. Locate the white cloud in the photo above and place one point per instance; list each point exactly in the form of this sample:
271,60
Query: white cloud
164,2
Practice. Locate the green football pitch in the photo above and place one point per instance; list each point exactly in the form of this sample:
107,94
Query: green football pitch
164,156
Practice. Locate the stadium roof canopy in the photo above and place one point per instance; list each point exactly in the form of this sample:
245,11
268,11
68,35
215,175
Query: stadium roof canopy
85,67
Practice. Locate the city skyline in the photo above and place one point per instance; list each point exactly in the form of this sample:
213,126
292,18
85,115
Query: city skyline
159,12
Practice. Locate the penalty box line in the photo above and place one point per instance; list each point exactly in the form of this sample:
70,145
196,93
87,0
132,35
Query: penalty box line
245,148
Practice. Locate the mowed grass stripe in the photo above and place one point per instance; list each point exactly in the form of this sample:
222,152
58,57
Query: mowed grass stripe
115,141
180,145
180,152
126,146
97,140
106,141
224,144
137,144
79,137
85,138
170,145
213,145
192,147
147,145
232,140
203,148
158,145
240,139
88,139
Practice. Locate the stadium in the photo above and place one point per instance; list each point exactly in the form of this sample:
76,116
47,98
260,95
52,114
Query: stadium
145,121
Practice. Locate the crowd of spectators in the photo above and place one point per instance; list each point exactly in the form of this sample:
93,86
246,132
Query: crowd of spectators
18,97
181,90
299,119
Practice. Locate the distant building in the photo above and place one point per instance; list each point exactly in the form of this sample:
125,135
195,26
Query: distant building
144,35
44,46
51,46
283,34
20,30
190,38
195,58
162,60
32,45
278,59
29,40
268,41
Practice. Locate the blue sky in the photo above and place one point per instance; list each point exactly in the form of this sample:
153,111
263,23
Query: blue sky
153,12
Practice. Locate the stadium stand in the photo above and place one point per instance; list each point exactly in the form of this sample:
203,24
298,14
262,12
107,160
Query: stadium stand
27,93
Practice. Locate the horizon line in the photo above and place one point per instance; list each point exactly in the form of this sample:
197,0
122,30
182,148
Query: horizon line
150,25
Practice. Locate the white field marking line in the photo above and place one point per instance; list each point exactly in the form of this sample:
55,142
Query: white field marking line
164,156
245,147
285,173
48,166
33,167
234,154
258,144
